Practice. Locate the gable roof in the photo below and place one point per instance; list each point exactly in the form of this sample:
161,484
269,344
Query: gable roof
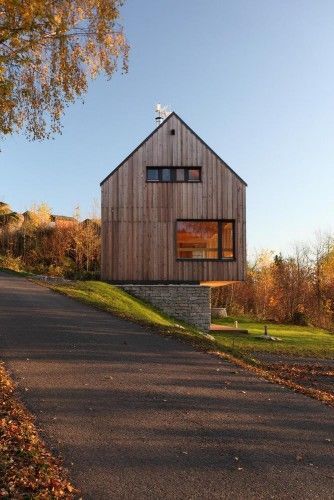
190,129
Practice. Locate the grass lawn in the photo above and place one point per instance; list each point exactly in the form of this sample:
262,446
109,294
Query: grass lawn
304,341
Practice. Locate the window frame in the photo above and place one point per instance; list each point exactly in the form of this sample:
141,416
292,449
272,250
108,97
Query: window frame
220,241
173,174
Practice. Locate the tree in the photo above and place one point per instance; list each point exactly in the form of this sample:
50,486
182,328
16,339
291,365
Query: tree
9,221
291,286
48,51
37,217
322,255
7,216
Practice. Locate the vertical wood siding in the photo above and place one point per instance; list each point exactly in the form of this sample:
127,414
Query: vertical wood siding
139,218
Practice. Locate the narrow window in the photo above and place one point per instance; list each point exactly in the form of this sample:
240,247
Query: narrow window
180,177
166,175
227,240
197,240
152,174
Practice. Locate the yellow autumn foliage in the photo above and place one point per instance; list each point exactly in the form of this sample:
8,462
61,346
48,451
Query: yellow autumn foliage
48,52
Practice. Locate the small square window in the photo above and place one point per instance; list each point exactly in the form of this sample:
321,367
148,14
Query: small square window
194,175
152,174
180,177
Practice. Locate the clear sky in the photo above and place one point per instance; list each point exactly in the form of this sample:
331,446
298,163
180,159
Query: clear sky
254,78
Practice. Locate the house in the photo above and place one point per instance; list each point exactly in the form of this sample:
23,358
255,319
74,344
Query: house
173,213
48,220
62,221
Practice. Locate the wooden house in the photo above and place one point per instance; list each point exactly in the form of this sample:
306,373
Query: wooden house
173,212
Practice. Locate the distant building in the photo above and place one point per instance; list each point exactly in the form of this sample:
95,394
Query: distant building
62,221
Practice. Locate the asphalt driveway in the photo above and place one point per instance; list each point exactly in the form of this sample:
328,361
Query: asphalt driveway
138,416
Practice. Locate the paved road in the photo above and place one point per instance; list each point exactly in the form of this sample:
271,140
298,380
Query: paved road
138,416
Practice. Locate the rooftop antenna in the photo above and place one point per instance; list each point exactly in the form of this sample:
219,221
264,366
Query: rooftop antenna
162,113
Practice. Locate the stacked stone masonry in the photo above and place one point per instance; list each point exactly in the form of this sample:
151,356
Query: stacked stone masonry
188,303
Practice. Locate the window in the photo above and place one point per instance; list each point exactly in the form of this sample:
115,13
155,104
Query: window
193,175
180,175
166,175
152,174
227,240
205,239
197,240
173,174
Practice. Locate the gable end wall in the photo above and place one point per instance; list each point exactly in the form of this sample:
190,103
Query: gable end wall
139,218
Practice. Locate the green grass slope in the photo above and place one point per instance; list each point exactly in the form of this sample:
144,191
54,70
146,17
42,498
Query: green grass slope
305,341
113,299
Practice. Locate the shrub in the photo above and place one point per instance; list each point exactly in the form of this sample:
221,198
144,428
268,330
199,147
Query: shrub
9,262
299,318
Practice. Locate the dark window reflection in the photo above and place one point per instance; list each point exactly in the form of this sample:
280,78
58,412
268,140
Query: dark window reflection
166,175
152,174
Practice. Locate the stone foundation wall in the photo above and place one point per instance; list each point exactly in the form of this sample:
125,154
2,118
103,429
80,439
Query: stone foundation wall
188,303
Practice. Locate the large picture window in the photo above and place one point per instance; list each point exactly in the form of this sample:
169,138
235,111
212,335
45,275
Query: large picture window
205,239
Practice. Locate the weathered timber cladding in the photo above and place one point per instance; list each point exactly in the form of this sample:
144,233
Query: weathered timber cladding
139,218
189,303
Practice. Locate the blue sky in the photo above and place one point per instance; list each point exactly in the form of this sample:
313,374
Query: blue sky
254,78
